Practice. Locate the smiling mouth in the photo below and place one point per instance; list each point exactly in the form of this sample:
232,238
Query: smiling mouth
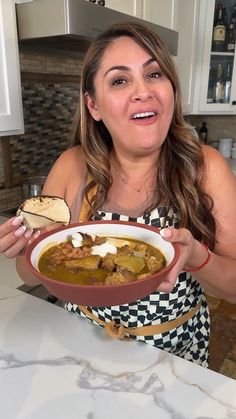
143,115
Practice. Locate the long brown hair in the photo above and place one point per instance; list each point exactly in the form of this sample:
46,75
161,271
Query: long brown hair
180,168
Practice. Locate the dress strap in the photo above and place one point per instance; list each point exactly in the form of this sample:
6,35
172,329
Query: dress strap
85,207
118,331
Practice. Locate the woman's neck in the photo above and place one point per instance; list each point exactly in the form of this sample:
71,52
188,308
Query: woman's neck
134,180
135,171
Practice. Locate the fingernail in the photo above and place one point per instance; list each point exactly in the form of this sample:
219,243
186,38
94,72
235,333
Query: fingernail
28,233
20,231
17,220
165,233
35,235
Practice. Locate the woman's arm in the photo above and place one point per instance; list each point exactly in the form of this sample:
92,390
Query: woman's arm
63,181
218,276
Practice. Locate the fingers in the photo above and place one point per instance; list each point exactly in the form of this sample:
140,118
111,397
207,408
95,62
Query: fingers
181,235
16,247
170,279
165,287
14,237
10,225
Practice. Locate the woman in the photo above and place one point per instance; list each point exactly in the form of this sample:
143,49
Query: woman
138,160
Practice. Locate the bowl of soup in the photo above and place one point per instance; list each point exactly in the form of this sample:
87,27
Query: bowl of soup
101,263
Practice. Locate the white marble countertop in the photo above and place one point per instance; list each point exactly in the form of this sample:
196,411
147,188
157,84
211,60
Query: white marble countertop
54,365
8,274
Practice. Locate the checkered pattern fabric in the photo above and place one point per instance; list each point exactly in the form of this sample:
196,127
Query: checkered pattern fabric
190,340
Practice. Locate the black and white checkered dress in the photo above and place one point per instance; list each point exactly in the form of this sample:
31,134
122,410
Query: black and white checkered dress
190,340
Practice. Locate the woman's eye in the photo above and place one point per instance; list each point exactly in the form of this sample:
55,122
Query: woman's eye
118,81
155,74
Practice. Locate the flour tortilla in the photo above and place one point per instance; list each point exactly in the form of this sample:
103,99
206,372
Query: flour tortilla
42,211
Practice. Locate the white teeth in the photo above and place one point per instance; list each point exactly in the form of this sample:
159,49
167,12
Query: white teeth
143,115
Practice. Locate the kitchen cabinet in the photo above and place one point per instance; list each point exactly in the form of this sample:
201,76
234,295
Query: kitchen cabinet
11,113
214,70
161,12
131,7
156,11
186,14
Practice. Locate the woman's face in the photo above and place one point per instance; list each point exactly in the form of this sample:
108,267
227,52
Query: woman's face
133,98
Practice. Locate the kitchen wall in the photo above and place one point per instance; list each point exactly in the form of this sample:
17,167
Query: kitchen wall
50,85
219,126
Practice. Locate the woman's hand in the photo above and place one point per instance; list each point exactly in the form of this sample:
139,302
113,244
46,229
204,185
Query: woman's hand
192,253
14,237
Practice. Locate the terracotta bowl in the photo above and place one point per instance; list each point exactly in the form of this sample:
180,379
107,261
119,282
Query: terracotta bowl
103,295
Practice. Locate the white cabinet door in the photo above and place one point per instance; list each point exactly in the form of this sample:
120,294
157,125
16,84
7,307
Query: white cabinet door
11,114
186,18
130,7
161,12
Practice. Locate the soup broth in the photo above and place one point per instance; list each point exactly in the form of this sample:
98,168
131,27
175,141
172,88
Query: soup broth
124,260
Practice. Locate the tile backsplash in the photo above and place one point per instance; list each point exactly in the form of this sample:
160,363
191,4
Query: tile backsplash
219,126
48,112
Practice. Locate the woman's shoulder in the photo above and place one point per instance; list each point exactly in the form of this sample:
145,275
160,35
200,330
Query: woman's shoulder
213,159
217,170
71,160
66,174
72,155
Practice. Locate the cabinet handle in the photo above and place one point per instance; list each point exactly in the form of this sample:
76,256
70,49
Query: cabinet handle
233,102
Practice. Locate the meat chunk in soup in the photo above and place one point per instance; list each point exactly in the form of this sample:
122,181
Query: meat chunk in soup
119,278
154,264
88,263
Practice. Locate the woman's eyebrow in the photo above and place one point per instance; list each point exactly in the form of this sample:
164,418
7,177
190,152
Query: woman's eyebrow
117,67
126,68
150,61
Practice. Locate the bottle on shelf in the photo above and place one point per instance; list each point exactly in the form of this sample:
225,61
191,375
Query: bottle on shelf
220,84
211,92
219,31
231,39
228,82
225,19
233,19
203,133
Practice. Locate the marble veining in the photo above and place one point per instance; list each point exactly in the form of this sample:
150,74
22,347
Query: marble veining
54,365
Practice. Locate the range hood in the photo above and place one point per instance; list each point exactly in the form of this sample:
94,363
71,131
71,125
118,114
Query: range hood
70,25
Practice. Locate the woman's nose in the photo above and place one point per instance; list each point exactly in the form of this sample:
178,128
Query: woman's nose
141,92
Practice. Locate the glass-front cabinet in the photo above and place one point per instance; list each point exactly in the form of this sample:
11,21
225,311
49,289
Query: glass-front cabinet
215,87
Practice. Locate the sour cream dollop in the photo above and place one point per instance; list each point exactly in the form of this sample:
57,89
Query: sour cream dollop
77,240
103,249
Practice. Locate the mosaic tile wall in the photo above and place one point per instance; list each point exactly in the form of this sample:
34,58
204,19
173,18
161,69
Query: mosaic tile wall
48,113
48,63
10,198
